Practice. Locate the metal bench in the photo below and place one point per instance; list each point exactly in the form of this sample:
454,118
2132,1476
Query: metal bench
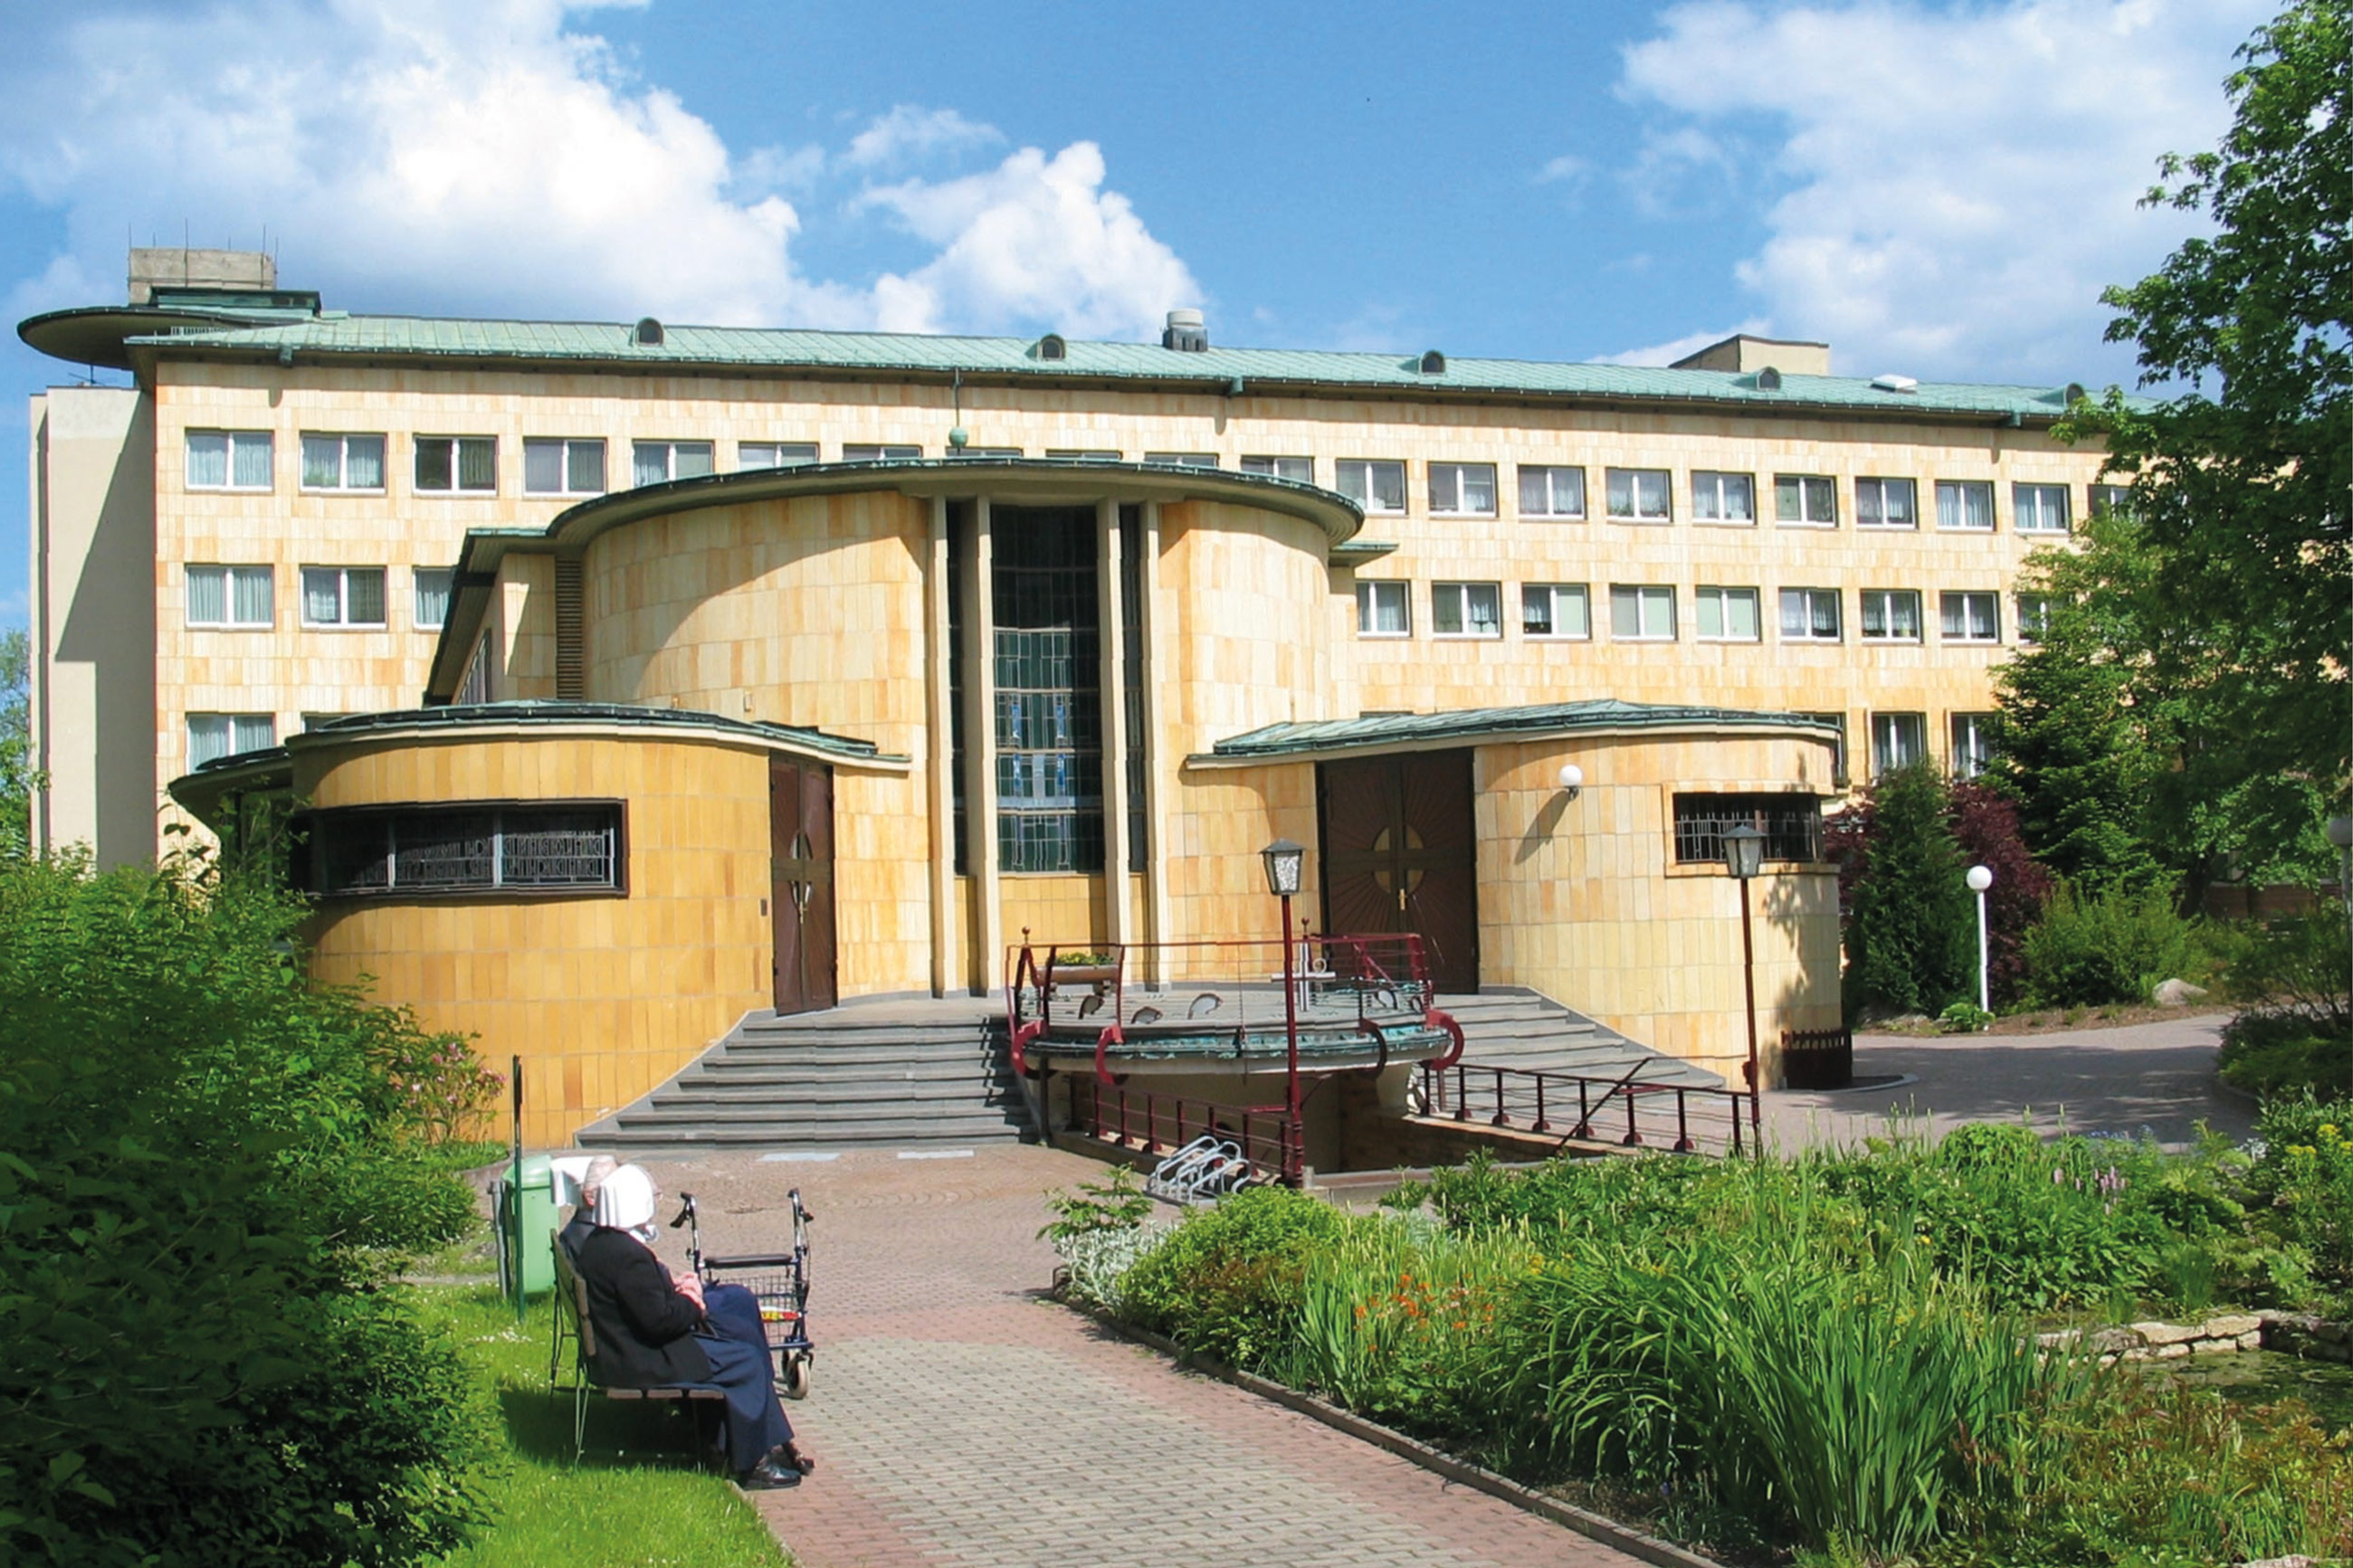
572,1323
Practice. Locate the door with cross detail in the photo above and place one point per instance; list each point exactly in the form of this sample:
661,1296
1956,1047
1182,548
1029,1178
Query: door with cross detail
1400,854
800,879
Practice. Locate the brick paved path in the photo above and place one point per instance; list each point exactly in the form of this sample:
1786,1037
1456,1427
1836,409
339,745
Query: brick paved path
962,1419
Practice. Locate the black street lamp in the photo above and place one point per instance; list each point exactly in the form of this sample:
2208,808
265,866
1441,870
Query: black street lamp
1743,856
2340,833
1285,861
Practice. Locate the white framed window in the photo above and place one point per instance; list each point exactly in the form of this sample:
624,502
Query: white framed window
1891,614
1556,610
1183,460
1299,469
1809,614
1552,491
1897,741
1462,489
555,465
1887,503
342,597
1382,610
652,462
1719,497
2101,499
2033,618
1725,615
1838,747
773,453
1970,617
342,462
1095,455
1637,495
2038,509
884,453
457,465
1640,613
212,736
1375,485
228,459
1805,500
241,596
430,596
1965,504
1466,610
1972,743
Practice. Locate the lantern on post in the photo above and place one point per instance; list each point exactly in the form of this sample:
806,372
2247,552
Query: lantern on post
1743,856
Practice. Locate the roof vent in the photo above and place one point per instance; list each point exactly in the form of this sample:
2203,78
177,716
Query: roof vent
1051,346
1185,333
1433,364
1768,379
2075,393
649,334
1893,382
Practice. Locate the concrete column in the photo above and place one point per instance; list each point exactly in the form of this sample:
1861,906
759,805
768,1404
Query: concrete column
1156,753
1110,643
939,750
985,962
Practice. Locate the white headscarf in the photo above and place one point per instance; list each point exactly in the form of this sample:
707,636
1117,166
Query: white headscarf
626,1201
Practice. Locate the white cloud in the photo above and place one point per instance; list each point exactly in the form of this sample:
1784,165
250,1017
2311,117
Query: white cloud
1957,185
476,155
1667,352
1036,238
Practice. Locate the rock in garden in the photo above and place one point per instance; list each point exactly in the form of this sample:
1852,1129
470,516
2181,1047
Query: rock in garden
2177,993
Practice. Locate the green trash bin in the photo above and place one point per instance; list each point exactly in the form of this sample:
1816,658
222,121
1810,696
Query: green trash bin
536,1198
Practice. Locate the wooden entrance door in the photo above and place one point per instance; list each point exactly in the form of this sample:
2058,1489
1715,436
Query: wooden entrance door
800,879
1400,854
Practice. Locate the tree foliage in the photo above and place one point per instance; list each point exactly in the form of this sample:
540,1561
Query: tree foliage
2225,592
207,1178
1911,930
16,741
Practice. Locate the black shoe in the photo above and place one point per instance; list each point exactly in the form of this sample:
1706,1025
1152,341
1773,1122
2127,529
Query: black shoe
767,1477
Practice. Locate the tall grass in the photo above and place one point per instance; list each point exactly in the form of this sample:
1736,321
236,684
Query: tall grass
1750,1371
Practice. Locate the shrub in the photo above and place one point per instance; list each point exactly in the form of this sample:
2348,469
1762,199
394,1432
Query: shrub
2112,946
1228,1280
206,1187
2303,1183
1985,824
2276,1054
1911,943
2298,968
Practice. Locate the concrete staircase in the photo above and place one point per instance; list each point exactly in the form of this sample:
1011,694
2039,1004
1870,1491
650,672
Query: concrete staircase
893,1075
1520,1028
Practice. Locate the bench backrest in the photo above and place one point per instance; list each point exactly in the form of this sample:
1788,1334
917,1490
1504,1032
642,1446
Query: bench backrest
572,1299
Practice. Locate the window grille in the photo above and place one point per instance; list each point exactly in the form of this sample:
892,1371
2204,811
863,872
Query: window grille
467,849
1793,826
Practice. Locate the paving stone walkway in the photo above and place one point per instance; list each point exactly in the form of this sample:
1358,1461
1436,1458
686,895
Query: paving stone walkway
962,1419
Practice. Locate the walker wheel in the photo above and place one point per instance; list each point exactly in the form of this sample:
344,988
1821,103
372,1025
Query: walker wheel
796,1380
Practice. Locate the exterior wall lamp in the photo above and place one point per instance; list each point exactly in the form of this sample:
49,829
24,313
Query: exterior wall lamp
1743,856
1571,779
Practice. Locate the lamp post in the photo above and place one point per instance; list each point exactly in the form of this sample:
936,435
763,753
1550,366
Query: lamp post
1979,878
2340,833
1743,856
1284,862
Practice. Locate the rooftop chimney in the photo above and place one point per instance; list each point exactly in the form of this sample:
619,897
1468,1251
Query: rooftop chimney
1186,333
178,266
1744,353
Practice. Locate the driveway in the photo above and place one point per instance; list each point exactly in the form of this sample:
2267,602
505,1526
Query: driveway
2157,1076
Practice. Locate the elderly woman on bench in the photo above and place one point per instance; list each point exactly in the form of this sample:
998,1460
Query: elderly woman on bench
652,1332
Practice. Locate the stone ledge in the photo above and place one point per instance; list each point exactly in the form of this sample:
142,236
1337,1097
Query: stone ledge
2291,1333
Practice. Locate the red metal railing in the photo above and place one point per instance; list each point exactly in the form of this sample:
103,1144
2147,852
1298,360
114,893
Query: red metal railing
1156,1123
1685,1117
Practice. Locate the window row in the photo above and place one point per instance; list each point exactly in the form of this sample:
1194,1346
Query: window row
1900,740
244,598
562,465
1641,612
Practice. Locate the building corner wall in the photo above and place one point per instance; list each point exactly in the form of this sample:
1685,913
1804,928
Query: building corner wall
93,611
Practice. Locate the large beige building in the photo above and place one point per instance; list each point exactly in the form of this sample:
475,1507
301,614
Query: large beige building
949,640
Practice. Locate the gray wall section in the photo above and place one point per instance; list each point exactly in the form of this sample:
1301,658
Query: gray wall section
93,479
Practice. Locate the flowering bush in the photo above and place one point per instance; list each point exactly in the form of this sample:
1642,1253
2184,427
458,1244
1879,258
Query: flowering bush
2303,1183
431,1086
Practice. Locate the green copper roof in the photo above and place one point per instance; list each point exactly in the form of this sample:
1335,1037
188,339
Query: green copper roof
506,714
1406,732
1229,371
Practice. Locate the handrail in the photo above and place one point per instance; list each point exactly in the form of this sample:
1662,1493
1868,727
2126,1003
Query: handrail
1695,1105
1154,1123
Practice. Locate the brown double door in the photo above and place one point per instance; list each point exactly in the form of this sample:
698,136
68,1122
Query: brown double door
800,877
1400,854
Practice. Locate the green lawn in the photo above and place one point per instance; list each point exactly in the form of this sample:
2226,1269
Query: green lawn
645,1506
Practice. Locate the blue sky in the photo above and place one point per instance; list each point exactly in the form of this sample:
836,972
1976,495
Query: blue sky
1939,190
